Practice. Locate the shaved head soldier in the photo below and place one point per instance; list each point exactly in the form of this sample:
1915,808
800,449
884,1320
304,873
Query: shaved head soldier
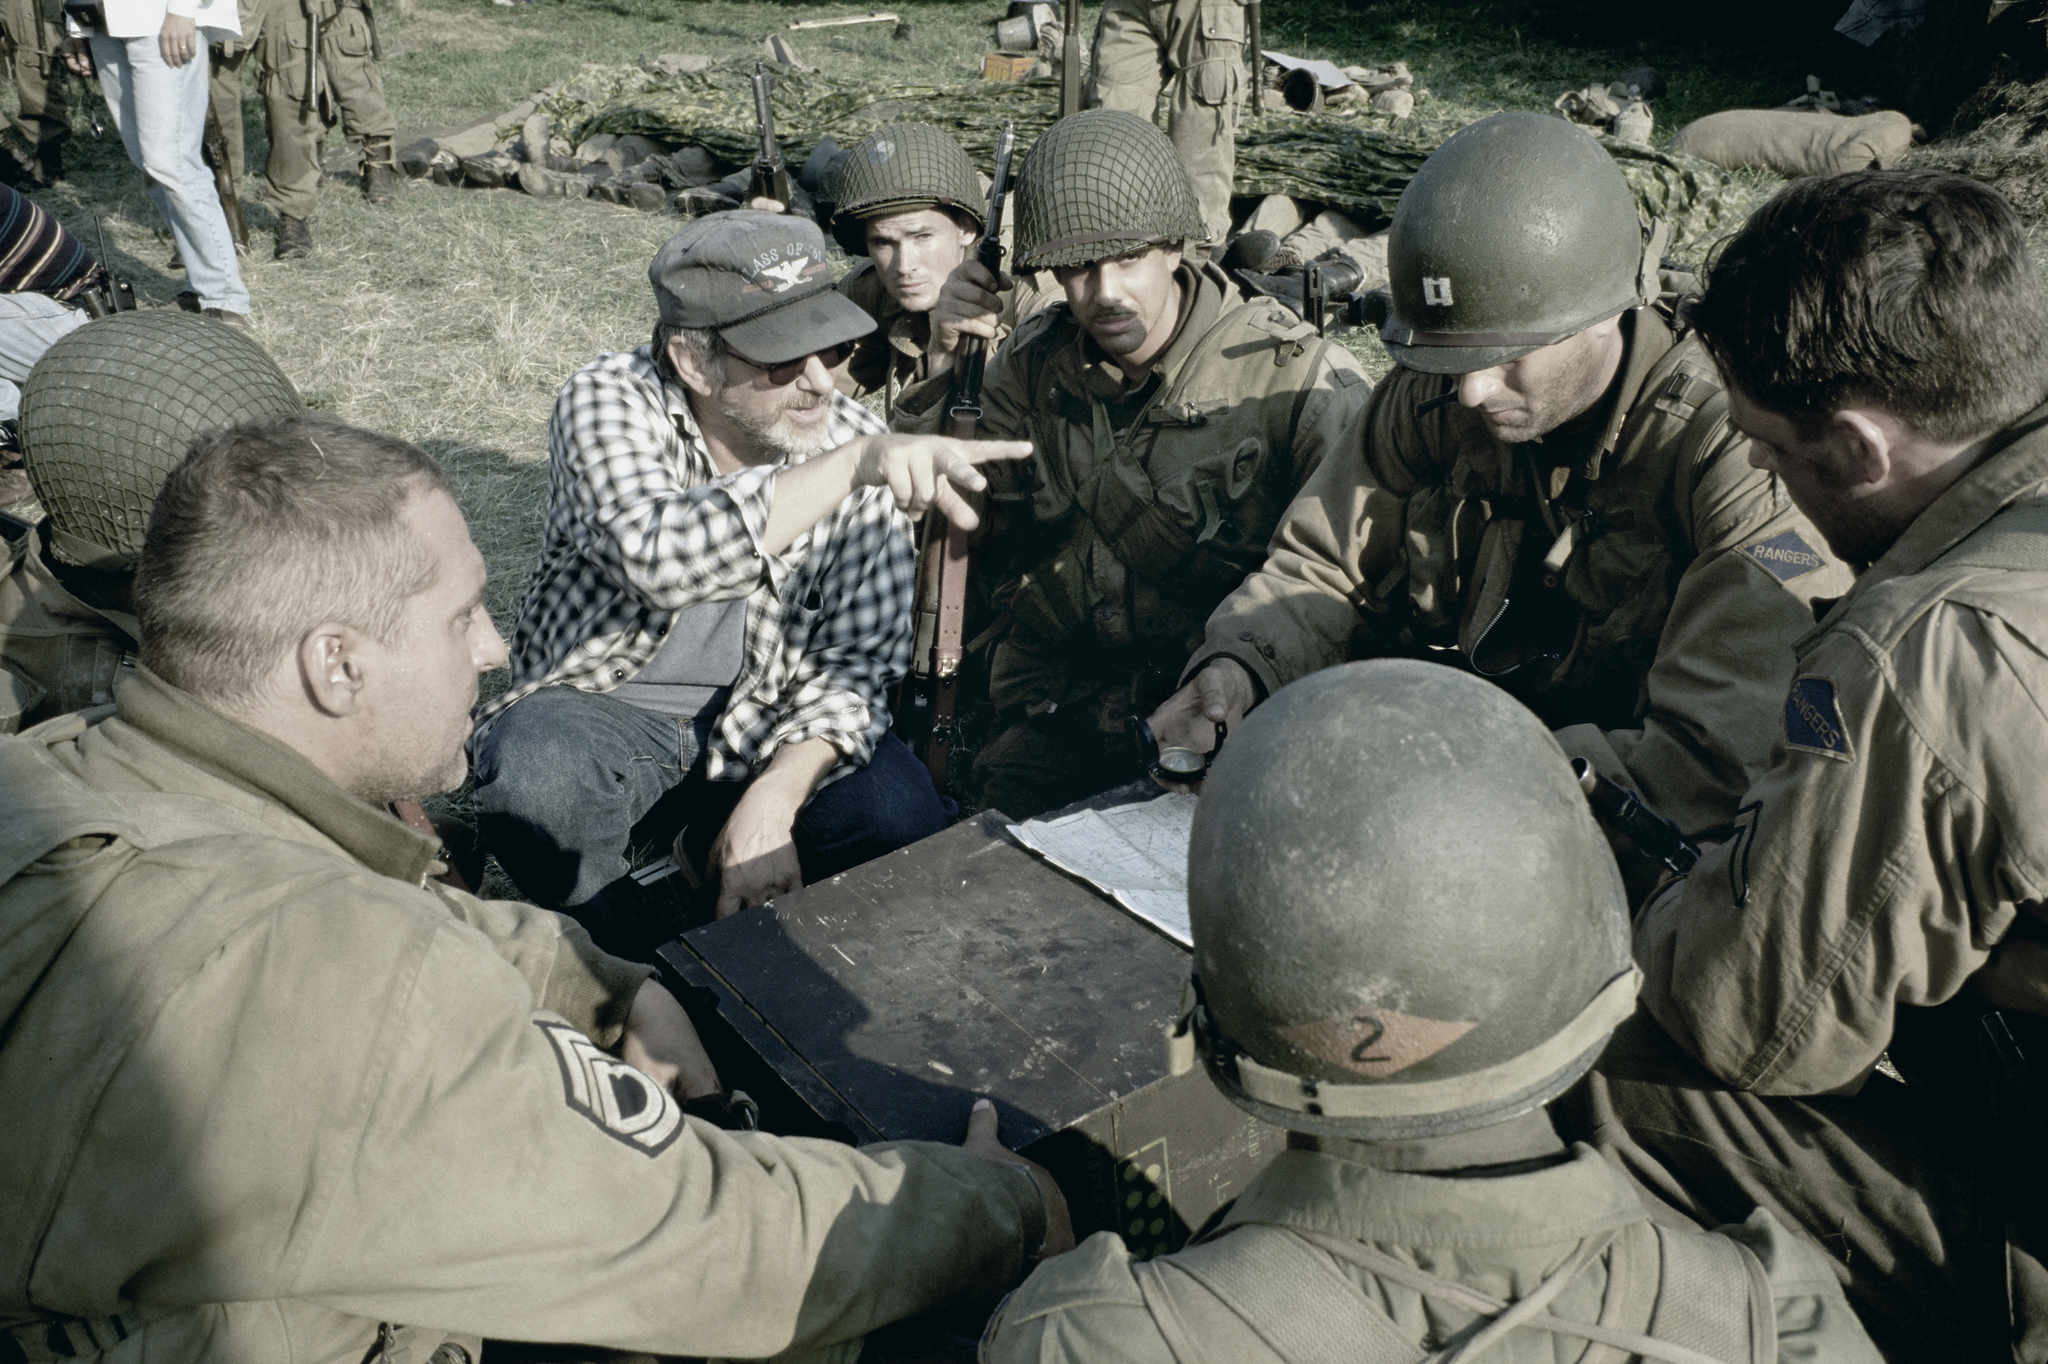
1171,421
1357,983
1548,491
1885,338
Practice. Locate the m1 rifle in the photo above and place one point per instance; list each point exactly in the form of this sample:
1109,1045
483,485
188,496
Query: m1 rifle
771,176
932,690
1623,811
1070,58
213,149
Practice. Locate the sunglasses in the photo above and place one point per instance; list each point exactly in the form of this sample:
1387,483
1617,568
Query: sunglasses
785,373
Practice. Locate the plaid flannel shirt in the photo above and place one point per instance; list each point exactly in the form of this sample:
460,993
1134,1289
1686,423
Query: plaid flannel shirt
641,525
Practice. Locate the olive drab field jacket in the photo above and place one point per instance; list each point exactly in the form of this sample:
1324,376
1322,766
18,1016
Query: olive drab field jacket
272,1094
1142,506
57,654
1645,591
1275,1285
1896,852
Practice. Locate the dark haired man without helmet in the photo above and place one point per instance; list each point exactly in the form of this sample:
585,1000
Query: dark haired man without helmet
911,203
1356,983
1885,339
722,601
1172,419
271,1091
1547,491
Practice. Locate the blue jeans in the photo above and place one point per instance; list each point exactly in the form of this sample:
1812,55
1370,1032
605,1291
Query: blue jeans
564,776
161,112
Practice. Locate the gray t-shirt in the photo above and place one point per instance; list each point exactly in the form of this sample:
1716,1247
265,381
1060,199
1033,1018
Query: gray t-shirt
692,673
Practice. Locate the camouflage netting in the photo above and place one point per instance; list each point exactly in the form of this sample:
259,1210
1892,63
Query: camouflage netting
109,411
2008,150
1356,159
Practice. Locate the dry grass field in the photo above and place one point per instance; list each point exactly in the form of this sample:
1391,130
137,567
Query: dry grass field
452,317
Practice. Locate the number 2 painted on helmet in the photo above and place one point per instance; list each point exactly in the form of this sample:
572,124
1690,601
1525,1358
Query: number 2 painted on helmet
1379,1030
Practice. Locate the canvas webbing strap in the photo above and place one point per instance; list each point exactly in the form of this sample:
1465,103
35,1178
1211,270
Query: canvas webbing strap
950,546
1458,1295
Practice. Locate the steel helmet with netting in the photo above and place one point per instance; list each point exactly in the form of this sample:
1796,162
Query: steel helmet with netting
1406,923
110,410
899,167
1516,233
1102,183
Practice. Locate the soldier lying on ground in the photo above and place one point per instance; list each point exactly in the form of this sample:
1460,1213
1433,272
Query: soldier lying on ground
722,600
287,1093
106,422
1548,492
1357,983
1885,340
1172,422
911,203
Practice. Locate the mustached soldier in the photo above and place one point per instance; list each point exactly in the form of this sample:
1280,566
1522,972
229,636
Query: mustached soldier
1548,491
1172,421
911,203
1354,985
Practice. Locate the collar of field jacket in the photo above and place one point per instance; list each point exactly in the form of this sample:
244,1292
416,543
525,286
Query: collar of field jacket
2014,463
1645,340
1578,1196
268,767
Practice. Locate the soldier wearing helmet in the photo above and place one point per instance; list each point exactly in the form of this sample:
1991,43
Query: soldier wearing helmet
1548,491
913,205
105,416
1409,939
1172,421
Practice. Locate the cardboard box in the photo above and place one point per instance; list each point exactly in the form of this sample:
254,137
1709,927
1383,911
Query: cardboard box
1007,66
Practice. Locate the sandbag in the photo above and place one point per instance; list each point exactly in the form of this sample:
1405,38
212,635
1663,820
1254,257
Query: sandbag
1794,142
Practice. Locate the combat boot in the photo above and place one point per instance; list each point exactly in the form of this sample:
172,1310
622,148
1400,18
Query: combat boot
294,238
380,171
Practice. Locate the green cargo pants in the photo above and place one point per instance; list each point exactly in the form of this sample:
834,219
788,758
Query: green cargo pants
1194,49
351,91
33,46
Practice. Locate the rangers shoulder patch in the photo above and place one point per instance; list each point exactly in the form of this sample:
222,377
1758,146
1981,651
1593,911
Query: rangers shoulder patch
1786,556
1813,721
622,1101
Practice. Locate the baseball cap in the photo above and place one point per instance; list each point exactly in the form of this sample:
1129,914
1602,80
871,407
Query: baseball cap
760,281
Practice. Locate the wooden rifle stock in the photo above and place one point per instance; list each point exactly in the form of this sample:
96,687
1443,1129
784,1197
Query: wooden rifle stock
932,690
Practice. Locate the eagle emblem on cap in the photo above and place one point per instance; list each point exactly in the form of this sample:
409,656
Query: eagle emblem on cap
788,273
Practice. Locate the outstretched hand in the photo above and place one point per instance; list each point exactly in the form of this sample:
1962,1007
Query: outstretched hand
926,472
982,1140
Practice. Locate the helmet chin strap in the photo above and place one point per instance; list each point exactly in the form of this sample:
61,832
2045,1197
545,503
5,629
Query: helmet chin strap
85,553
